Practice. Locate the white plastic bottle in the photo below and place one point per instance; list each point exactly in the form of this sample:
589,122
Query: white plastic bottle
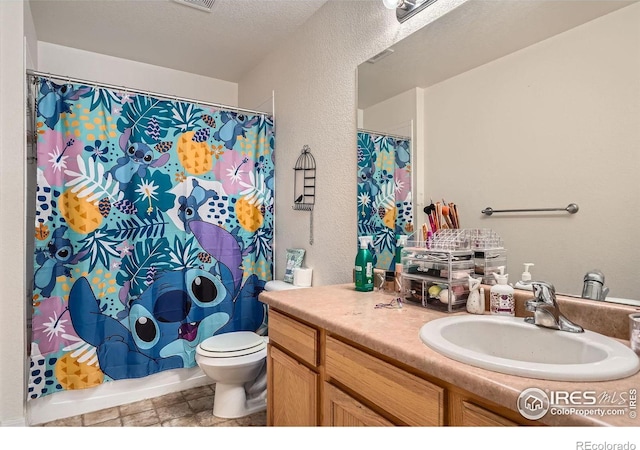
501,300
525,278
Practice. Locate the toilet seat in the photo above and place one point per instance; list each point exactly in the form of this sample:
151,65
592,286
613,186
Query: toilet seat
232,345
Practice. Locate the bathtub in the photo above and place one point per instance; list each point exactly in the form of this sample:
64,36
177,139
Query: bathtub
107,395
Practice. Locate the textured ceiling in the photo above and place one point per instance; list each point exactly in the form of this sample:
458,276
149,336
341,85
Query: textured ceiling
222,44
476,32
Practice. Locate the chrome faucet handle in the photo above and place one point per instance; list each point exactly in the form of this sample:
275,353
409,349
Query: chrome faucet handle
544,292
546,311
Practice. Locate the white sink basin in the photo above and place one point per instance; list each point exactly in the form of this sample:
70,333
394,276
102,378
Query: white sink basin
512,346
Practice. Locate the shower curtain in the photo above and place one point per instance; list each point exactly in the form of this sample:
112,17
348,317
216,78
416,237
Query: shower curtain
154,231
384,193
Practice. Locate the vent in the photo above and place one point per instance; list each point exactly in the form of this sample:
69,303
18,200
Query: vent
203,5
379,56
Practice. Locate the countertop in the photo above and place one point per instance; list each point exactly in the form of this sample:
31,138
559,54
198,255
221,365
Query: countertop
343,311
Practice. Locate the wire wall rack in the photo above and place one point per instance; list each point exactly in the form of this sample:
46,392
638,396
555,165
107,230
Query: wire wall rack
304,185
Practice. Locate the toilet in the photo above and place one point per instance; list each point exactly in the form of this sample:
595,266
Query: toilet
237,363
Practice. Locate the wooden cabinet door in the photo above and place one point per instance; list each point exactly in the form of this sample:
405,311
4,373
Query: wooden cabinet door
342,410
292,391
465,413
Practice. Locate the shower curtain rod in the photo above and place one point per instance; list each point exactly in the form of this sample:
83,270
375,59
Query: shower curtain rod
34,73
382,133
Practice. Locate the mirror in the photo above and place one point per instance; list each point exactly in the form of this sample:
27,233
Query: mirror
525,105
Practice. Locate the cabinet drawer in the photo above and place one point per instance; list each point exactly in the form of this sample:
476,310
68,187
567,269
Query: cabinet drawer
296,337
411,399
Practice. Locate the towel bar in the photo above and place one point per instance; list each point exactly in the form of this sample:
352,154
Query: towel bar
572,208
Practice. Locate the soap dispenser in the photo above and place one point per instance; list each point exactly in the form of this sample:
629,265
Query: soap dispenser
401,242
525,279
501,300
364,265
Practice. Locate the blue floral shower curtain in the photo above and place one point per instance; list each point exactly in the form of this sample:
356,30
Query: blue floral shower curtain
384,193
154,230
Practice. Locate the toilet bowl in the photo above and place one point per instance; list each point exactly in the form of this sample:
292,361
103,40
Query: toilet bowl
236,362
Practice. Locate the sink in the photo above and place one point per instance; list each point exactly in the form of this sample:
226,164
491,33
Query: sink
510,345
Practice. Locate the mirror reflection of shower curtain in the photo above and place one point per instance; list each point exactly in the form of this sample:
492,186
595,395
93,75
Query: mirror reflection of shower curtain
153,231
384,193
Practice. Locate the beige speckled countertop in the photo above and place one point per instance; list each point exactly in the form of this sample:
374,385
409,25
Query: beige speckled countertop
341,310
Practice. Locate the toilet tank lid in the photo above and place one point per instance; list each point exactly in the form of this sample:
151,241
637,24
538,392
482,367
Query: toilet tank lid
279,285
233,341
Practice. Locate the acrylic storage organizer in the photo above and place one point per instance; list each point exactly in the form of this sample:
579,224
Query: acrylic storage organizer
435,278
488,254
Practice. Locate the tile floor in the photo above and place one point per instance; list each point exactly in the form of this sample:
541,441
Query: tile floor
190,408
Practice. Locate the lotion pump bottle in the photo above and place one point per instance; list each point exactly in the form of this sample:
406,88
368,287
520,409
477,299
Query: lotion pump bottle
364,265
501,300
401,242
525,279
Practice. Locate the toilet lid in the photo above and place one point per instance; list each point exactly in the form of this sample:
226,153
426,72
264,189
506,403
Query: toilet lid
236,343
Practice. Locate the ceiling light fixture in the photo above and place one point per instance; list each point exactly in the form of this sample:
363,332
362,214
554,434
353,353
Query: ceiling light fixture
392,4
405,9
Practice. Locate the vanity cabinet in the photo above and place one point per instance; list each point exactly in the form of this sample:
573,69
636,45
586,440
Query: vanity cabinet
292,372
317,378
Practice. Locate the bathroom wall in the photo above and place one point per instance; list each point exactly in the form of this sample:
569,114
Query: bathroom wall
314,78
92,66
403,115
396,115
552,124
12,225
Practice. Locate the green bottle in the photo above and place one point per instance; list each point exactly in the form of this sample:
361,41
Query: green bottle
364,265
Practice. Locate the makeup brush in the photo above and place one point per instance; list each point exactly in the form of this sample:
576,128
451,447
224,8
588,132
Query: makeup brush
455,210
452,215
445,215
429,211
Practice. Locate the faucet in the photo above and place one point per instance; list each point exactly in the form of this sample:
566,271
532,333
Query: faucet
546,312
593,287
